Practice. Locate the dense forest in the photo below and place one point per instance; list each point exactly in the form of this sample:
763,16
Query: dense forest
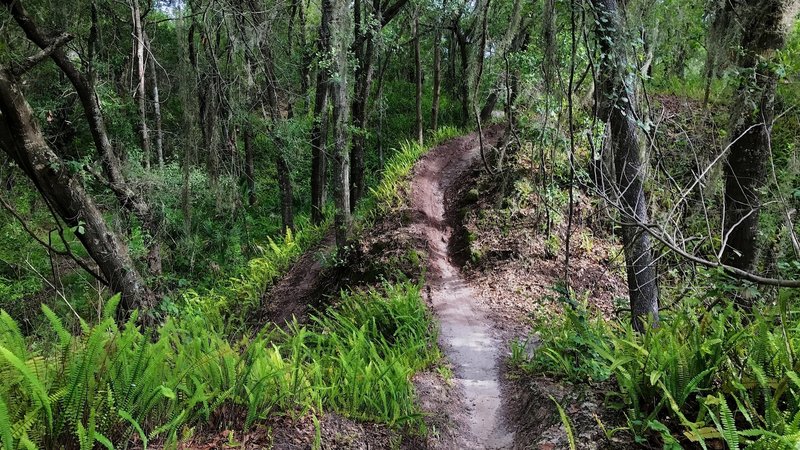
399,224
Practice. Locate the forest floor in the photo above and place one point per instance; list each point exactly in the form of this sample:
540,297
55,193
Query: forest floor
474,400
467,335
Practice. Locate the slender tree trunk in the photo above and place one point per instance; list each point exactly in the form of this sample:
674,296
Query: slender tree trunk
617,103
764,33
22,139
338,17
365,53
418,79
285,183
716,41
319,132
141,97
249,168
464,85
437,77
156,104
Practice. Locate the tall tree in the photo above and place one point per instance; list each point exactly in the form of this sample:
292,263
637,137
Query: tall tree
129,199
141,77
418,77
336,13
319,131
367,25
21,138
764,27
616,98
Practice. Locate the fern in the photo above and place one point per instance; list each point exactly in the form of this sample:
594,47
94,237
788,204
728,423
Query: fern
64,336
567,424
37,388
6,436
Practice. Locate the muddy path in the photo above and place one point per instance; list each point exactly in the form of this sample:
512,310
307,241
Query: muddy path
467,334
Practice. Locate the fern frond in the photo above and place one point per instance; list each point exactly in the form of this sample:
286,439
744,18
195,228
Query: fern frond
37,388
64,336
5,426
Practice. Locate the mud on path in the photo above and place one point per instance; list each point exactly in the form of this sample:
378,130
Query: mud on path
467,335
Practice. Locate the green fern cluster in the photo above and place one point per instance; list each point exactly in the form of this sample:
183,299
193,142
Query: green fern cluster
390,192
701,375
111,384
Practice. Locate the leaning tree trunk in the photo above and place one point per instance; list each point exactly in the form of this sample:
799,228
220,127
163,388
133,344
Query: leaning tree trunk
84,87
338,17
616,106
752,112
22,139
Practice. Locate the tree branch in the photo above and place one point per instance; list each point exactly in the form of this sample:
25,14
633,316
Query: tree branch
27,64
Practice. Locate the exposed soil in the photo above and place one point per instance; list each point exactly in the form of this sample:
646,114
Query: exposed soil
302,288
480,306
467,334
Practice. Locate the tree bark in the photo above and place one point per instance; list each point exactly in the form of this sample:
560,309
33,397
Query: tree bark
418,79
616,106
364,49
141,97
156,98
752,113
437,77
128,199
319,132
463,50
22,139
335,12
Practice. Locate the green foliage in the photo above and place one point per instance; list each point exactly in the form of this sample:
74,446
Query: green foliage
113,382
567,349
567,424
242,293
390,192
707,374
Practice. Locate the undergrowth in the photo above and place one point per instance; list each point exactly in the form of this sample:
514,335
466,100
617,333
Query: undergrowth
110,384
704,375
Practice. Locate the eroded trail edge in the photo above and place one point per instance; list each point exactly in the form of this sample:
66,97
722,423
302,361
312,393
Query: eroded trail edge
466,334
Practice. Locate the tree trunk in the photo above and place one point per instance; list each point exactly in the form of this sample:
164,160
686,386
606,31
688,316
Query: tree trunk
463,50
156,104
127,198
752,112
616,106
437,77
418,79
285,184
364,50
319,132
249,167
141,97
335,12
22,139
488,107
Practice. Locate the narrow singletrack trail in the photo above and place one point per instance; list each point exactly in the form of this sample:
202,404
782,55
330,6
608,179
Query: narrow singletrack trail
467,335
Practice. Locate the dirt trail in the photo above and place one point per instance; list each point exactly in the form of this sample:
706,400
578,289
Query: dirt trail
467,335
